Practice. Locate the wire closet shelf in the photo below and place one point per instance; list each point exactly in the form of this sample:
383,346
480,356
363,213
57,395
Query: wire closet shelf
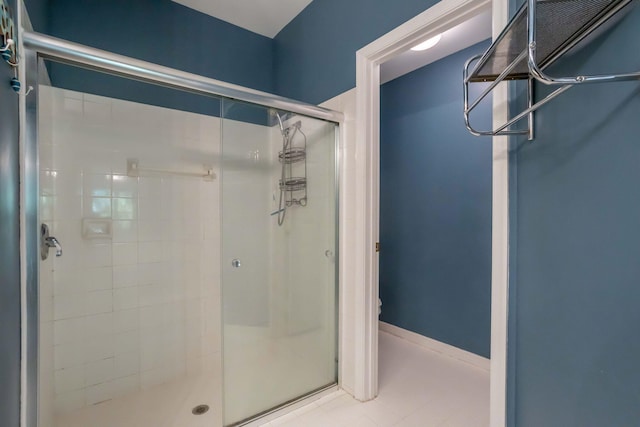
540,33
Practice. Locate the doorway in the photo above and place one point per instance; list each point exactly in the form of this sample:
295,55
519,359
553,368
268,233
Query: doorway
437,19
435,231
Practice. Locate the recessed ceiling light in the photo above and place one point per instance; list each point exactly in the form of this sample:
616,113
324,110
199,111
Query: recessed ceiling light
428,43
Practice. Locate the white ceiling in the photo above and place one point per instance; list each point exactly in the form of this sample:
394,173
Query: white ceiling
266,17
457,38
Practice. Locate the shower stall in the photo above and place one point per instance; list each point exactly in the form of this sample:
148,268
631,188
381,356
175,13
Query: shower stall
181,245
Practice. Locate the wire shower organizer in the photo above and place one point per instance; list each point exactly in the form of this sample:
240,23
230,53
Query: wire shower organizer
293,157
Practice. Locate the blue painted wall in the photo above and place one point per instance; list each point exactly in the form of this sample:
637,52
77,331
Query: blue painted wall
577,275
435,208
165,33
315,53
9,251
39,14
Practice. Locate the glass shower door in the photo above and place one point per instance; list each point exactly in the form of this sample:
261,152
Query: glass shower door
129,316
278,256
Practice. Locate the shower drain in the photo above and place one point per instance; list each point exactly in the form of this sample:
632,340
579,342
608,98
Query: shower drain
200,409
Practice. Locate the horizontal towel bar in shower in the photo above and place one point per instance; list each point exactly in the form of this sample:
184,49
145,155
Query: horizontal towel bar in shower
134,170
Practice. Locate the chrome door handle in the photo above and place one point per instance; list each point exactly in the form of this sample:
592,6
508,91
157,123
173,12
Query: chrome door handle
47,242
52,242
236,263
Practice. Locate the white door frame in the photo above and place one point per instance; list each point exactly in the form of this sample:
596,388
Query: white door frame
438,18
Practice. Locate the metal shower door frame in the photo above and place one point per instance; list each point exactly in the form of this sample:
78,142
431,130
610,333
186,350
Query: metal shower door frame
39,46
535,73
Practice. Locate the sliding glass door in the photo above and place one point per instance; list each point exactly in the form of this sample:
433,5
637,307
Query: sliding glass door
278,258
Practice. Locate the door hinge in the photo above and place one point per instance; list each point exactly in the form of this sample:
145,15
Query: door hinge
377,246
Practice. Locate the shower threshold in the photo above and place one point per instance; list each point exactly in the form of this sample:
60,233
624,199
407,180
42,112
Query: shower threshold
287,407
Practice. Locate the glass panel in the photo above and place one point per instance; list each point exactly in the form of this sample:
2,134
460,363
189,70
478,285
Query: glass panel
278,258
130,313
154,213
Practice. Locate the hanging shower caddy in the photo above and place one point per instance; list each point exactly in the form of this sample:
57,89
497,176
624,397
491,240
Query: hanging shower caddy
541,32
293,157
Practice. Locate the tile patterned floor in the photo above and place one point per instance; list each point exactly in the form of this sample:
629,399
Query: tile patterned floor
418,388
168,405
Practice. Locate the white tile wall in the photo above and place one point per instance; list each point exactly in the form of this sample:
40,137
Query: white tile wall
115,307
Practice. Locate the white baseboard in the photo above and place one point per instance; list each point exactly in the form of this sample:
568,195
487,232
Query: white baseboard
437,346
